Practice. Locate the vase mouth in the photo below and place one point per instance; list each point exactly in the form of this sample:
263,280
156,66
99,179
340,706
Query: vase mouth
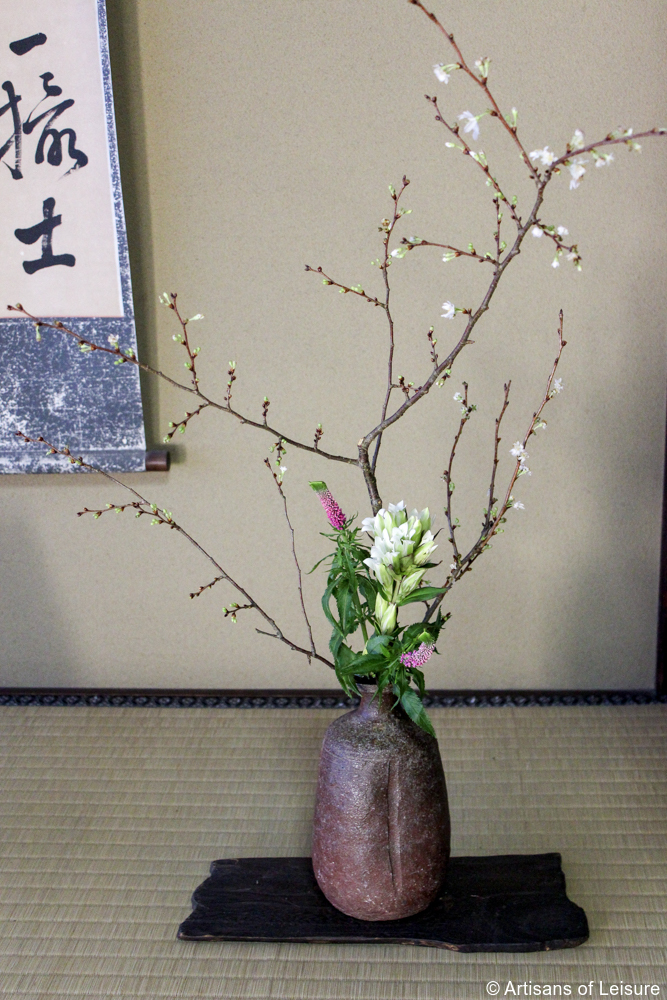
365,681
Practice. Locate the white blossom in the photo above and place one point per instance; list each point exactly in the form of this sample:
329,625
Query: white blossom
545,156
577,171
472,126
439,70
518,451
450,310
536,231
113,339
562,231
282,470
555,262
458,398
517,505
577,140
604,159
557,386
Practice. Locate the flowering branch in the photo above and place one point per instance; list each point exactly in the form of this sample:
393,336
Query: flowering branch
466,411
277,478
481,81
354,289
453,251
143,506
129,357
495,517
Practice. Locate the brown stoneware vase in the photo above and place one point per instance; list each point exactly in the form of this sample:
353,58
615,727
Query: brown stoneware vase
381,830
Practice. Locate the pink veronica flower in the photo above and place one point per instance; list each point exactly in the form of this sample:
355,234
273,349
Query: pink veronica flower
331,507
418,657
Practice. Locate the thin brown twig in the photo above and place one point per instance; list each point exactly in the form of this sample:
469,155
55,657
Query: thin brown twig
279,486
388,230
345,288
488,531
447,474
477,158
164,517
496,446
131,359
488,259
481,81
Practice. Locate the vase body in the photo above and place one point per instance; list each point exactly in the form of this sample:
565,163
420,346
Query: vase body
381,830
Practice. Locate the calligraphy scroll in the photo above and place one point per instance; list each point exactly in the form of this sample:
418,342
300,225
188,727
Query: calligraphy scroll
63,244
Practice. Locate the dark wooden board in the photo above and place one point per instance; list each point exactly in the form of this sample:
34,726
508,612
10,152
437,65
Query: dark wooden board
510,903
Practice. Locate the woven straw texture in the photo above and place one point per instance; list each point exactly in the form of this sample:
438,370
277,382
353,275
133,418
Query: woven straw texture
110,818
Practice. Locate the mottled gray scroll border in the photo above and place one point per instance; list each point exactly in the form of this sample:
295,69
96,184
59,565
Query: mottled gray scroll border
106,425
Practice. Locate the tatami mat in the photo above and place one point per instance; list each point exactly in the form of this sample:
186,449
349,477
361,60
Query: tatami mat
110,817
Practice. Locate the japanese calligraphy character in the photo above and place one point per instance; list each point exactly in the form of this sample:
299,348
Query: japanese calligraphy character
23,45
45,230
15,138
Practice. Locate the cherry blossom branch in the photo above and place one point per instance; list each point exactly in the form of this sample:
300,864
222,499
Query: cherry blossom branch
353,289
89,346
142,506
628,138
169,299
279,484
466,412
478,158
388,228
481,81
182,424
455,251
492,526
497,440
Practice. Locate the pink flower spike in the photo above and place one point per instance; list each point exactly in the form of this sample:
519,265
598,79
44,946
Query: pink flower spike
418,657
331,507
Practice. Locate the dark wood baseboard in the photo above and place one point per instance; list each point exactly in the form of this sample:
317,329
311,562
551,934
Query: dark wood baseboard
308,698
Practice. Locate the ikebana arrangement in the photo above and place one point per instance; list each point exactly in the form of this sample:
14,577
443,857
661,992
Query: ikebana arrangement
388,561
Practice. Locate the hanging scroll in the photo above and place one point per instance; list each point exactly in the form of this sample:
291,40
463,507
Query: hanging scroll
63,244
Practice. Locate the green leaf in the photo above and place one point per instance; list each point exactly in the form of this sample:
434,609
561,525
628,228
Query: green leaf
413,706
423,594
363,664
378,644
345,605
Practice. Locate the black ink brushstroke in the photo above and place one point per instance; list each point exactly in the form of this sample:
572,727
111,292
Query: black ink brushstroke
45,230
49,89
24,45
15,138
54,155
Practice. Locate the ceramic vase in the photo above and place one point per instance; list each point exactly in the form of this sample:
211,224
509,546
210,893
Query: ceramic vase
381,830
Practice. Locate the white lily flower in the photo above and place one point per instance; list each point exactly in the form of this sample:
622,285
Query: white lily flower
472,126
450,310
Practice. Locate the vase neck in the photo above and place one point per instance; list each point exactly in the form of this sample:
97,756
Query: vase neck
374,705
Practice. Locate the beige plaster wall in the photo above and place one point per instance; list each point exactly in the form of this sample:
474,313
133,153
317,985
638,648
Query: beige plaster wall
258,137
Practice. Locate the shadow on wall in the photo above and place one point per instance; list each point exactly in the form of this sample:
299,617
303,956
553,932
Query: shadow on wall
29,613
123,24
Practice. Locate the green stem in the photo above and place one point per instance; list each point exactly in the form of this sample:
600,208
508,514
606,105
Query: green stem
355,595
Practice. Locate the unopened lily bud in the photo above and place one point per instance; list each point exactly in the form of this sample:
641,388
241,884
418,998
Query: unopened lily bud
385,613
410,583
